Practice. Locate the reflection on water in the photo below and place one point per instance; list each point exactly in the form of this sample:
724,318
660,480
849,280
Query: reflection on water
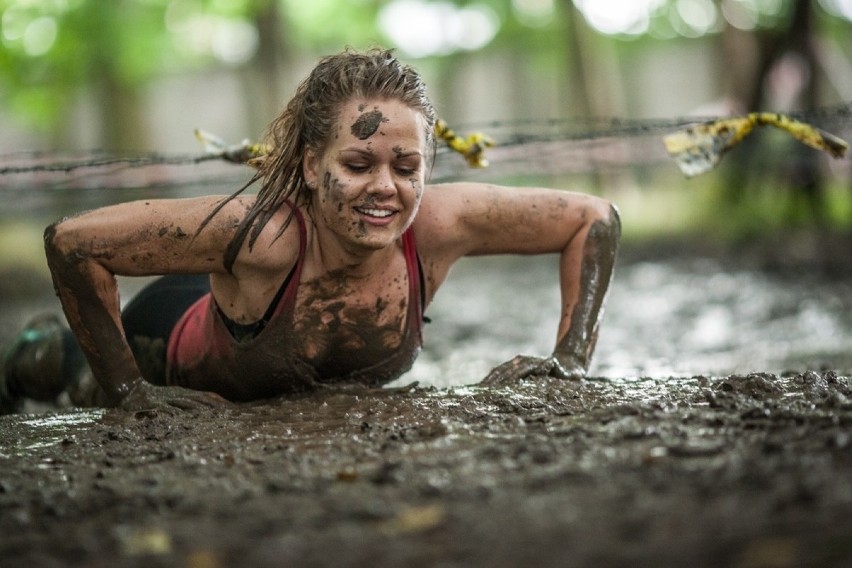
43,430
672,318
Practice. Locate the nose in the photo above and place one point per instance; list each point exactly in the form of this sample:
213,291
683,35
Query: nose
383,182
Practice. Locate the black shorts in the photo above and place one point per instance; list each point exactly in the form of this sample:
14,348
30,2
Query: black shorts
151,315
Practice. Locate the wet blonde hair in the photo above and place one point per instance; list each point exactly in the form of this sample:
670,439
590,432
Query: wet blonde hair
308,121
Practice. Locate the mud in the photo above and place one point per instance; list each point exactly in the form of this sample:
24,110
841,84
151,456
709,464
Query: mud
367,124
736,471
690,445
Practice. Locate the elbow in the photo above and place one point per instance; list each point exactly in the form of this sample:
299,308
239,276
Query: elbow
58,245
605,221
604,234
613,220
51,241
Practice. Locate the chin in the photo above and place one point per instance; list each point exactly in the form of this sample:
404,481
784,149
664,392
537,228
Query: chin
377,242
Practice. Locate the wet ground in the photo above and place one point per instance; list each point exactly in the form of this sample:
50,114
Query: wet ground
716,430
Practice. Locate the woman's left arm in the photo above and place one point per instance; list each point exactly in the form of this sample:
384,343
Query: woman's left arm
475,219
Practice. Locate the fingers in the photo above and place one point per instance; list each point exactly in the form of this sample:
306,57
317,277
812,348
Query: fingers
524,367
191,400
519,368
149,397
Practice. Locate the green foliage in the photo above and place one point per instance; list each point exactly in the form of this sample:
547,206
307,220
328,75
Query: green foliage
53,48
50,49
326,25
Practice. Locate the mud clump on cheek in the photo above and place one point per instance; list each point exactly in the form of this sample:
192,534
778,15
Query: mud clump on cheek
367,124
334,194
359,229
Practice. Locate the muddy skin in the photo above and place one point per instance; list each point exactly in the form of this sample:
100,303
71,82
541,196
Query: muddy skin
338,335
367,124
334,194
573,352
100,337
417,187
177,233
576,347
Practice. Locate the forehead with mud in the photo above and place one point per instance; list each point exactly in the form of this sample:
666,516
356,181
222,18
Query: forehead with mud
367,122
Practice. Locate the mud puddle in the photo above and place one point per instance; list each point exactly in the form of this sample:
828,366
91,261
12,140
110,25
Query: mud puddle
743,470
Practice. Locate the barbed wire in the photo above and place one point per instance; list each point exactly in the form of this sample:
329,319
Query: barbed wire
507,134
139,160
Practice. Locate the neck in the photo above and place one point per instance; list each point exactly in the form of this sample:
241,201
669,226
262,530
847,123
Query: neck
333,256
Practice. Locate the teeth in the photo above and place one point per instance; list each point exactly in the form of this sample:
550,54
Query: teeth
375,212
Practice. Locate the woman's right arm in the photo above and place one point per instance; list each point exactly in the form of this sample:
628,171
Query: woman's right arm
152,237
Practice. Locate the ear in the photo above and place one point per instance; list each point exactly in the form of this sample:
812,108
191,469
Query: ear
310,168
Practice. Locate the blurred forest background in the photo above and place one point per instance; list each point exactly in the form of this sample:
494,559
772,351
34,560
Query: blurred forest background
577,92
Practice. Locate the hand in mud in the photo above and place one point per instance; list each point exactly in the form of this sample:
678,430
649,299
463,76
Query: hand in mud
525,366
144,396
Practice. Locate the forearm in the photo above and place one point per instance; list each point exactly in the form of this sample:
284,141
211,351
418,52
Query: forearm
89,296
586,267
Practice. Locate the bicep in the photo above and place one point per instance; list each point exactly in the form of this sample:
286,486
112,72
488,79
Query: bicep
150,237
477,219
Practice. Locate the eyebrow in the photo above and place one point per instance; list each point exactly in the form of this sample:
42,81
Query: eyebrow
370,152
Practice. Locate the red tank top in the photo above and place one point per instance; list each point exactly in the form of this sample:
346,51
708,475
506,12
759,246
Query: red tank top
202,353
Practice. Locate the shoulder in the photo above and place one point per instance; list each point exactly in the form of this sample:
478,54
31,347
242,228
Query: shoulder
452,214
480,218
436,223
270,241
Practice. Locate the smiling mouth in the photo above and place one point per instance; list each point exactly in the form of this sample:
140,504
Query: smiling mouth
380,213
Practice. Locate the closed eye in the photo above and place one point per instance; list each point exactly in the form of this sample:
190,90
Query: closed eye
357,168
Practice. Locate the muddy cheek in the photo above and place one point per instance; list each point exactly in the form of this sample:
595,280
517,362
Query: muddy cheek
359,229
336,193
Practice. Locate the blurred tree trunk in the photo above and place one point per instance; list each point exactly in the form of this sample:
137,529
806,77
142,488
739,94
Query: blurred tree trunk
264,81
123,127
576,65
593,68
596,85
774,65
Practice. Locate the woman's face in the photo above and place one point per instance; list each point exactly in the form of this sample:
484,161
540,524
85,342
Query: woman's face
368,182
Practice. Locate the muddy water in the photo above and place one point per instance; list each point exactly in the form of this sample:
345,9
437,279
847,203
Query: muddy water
677,317
691,444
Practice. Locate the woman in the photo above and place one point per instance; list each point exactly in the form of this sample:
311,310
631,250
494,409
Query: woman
323,276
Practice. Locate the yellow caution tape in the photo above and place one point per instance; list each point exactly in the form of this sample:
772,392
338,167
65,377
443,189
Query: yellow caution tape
472,148
699,148
245,152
